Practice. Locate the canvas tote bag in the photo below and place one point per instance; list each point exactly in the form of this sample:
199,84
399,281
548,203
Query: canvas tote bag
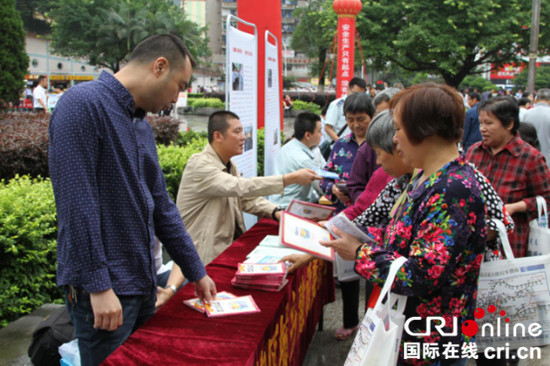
539,234
517,289
378,339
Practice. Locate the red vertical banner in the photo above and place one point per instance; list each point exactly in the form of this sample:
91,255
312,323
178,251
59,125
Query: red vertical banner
346,53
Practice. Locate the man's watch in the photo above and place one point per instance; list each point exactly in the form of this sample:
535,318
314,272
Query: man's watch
172,287
275,210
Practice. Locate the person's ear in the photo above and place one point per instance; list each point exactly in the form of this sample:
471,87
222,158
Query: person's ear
218,136
160,66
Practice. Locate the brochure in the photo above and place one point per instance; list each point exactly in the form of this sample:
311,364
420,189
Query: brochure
308,210
305,235
326,174
347,226
234,306
261,269
197,304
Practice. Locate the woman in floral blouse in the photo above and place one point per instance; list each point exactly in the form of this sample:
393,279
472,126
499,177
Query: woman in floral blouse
440,225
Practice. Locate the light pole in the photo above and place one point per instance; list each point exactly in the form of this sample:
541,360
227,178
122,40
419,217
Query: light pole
534,46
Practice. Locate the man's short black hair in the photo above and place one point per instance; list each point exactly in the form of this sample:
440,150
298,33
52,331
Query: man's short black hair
474,95
169,46
305,122
359,103
219,121
522,102
359,82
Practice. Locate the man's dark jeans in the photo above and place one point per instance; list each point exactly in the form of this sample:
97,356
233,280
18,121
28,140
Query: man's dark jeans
96,345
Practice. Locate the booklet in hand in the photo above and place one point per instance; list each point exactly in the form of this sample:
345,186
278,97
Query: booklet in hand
305,235
327,174
308,210
347,226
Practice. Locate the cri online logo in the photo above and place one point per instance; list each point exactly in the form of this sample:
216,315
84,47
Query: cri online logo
471,327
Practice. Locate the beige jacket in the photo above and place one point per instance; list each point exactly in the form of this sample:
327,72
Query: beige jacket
211,201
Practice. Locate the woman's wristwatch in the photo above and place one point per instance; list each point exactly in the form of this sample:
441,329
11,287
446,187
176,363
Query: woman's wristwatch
172,287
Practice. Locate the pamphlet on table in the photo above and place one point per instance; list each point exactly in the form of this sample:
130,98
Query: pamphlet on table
198,305
260,276
234,306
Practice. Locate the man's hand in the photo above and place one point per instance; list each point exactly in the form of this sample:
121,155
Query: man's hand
339,194
301,177
107,310
346,245
163,295
297,260
205,289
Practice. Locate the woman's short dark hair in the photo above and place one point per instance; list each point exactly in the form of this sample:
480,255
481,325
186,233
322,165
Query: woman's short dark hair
219,121
359,103
430,109
305,122
381,131
505,108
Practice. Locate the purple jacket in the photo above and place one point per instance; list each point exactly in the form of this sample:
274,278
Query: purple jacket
362,169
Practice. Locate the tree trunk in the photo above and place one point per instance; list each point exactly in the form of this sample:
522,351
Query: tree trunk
322,59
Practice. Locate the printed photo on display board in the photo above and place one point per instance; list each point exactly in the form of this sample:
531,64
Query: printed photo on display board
269,78
248,141
237,76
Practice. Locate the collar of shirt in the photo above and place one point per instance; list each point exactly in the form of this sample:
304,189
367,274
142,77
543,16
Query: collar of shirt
300,145
125,98
513,146
415,190
351,137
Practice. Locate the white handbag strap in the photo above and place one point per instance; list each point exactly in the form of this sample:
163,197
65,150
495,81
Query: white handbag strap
504,239
395,266
541,208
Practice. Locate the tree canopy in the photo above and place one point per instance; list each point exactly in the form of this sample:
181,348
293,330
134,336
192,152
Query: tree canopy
451,38
542,78
14,61
314,33
106,31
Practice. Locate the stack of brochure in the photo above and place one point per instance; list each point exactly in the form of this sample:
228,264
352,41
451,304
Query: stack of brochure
260,276
225,304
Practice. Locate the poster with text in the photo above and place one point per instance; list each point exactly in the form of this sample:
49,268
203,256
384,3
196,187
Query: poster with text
242,79
242,97
273,102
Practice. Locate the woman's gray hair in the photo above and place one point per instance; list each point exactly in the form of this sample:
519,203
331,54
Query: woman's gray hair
381,131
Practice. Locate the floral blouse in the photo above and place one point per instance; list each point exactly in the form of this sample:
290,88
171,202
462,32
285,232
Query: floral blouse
340,161
440,227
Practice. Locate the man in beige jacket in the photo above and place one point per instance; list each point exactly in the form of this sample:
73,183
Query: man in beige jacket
212,195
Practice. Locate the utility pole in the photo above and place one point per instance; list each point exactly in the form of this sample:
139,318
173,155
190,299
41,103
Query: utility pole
534,46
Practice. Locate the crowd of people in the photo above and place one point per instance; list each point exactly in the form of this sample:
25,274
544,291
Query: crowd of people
416,171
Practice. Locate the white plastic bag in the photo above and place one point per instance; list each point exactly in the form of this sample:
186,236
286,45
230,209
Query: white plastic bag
70,354
539,234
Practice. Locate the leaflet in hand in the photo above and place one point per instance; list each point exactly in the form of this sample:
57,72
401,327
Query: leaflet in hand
310,210
326,174
305,235
347,226
198,305
234,306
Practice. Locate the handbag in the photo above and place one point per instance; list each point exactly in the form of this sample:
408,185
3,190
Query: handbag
379,337
539,234
513,296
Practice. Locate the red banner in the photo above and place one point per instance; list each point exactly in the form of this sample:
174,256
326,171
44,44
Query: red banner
508,71
346,53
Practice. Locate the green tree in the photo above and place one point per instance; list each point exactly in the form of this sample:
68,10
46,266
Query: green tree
106,31
542,78
451,38
13,58
477,82
34,14
314,34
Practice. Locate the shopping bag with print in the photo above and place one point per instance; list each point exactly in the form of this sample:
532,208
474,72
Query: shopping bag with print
539,234
512,300
379,337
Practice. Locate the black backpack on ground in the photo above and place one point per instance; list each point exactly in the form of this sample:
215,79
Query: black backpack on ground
52,332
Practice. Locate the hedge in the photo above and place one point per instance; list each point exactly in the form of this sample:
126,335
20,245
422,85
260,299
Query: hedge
306,106
24,142
205,103
28,232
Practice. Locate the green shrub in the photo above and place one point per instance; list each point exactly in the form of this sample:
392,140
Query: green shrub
306,106
28,232
205,103
186,137
173,160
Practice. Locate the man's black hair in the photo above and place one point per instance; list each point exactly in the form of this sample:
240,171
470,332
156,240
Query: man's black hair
219,121
305,122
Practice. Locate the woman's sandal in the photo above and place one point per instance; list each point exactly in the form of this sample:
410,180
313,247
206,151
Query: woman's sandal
343,333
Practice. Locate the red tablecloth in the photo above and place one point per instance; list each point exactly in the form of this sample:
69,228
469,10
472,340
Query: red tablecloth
279,334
